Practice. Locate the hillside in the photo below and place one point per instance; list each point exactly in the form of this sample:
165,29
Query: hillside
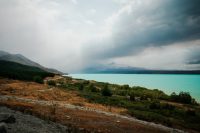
67,107
18,58
23,72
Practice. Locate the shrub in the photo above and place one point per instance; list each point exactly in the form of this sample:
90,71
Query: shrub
38,79
86,82
92,88
190,112
183,97
167,106
51,82
125,87
155,105
81,87
132,96
106,91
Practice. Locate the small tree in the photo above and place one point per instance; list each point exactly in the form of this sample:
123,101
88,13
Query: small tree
81,87
38,79
92,88
185,97
174,97
132,96
126,87
51,82
106,91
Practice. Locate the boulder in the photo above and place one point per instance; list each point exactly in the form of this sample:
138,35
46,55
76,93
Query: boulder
7,118
3,128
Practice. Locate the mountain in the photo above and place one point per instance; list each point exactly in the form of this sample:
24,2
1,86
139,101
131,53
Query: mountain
18,58
113,69
134,70
15,70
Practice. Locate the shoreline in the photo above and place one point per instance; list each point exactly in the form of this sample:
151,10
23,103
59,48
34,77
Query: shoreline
167,90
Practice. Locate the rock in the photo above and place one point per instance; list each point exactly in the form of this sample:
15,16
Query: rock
118,121
81,129
3,128
68,117
7,118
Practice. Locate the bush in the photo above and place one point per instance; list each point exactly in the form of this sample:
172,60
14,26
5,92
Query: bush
125,87
167,106
106,91
51,82
81,87
190,112
38,79
155,105
183,97
132,96
92,88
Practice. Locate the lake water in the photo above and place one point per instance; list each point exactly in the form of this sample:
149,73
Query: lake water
166,82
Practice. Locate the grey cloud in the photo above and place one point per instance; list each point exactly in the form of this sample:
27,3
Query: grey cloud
193,57
194,61
151,23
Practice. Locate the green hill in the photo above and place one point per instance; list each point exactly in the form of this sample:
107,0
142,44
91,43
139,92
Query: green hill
18,58
22,72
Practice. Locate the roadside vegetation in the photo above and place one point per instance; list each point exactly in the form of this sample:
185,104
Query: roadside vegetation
175,110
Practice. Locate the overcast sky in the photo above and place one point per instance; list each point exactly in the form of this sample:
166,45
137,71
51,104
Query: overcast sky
71,35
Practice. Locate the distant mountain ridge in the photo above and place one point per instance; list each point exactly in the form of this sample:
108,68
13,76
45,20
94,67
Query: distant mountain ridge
18,58
135,70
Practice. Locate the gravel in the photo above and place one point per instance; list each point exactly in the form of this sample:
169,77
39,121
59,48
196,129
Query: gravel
29,124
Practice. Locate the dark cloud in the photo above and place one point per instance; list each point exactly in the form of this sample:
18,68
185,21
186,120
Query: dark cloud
151,23
194,57
194,62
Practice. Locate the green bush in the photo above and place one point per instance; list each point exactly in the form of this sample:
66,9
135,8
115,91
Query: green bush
51,82
183,97
106,91
92,88
158,105
132,96
81,87
155,105
125,87
190,112
38,79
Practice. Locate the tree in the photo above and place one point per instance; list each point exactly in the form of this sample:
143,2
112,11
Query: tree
92,88
126,87
106,91
51,82
38,79
184,97
81,87
174,97
132,96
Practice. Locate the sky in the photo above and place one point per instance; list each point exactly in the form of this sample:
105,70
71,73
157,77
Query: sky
71,35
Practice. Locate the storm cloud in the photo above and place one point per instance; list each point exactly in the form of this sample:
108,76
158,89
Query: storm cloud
72,34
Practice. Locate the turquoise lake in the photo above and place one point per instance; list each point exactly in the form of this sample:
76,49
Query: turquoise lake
166,82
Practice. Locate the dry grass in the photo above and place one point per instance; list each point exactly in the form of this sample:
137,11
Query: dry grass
36,91
86,120
70,117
